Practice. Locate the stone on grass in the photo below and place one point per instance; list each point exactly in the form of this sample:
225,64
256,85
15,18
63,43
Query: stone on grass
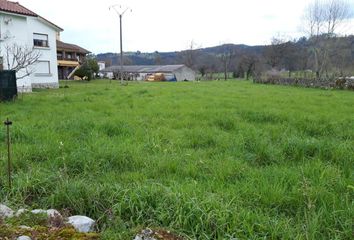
24,227
149,234
138,237
82,224
51,213
5,212
146,234
20,212
39,211
24,238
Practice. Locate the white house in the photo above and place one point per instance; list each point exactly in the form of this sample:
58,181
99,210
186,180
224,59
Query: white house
21,27
101,65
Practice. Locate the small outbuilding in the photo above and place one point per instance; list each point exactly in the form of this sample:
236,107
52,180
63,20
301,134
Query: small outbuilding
143,72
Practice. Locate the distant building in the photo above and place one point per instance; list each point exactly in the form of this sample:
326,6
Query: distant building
70,57
142,72
20,26
101,65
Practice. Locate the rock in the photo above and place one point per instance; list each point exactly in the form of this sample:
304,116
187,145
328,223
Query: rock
149,234
24,238
140,237
55,219
20,212
24,227
146,234
82,224
39,211
5,212
51,213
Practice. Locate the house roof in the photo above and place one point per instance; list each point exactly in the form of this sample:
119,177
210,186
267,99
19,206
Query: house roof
145,68
71,47
17,8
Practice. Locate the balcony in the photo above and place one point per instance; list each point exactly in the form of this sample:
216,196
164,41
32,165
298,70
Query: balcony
68,63
66,58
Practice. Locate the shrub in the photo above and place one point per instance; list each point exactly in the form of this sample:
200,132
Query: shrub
88,69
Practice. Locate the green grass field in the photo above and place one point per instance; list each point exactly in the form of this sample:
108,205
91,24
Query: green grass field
209,160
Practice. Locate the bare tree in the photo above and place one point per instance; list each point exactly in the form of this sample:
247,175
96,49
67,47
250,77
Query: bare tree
202,70
189,56
341,57
335,13
303,55
314,19
275,52
285,54
21,59
322,20
206,64
247,65
324,17
225,58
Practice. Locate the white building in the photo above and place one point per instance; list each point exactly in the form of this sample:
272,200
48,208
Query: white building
101,65
22,27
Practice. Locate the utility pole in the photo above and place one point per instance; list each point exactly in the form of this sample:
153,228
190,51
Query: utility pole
119,10
121,50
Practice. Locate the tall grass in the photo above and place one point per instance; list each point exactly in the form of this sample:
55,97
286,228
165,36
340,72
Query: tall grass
215,160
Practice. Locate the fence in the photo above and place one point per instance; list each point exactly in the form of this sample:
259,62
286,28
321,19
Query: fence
340,83
8,85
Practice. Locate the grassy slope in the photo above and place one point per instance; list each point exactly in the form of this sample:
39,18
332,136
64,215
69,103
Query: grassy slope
211,160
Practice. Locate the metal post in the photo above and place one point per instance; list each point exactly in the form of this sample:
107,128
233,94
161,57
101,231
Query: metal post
8,123
121,50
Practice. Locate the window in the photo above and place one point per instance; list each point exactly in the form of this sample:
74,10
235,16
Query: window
40,40
59,55
43,68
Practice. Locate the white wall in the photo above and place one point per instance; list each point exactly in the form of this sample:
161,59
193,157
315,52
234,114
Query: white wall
101,65
18,29
12,32
36,25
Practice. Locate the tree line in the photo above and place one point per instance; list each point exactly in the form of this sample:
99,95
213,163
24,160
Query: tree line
323,51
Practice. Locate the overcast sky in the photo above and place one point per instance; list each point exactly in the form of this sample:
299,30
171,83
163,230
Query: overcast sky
170,25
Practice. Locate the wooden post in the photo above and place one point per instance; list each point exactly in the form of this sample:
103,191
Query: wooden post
8,123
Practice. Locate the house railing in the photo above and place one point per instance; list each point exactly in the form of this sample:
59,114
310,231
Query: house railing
67,59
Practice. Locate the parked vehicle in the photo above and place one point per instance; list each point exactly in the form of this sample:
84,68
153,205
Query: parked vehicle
157,77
